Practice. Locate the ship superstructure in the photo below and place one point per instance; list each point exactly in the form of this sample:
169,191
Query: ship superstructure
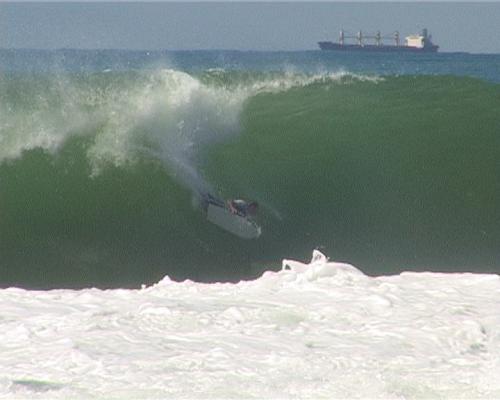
366,42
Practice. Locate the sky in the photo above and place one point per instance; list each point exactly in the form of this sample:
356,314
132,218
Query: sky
455,26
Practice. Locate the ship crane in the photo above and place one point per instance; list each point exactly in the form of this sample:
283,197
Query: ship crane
377,37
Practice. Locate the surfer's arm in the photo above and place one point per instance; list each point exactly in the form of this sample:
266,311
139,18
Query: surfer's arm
231,207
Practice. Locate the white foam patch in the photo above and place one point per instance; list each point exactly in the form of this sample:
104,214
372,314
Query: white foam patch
317,330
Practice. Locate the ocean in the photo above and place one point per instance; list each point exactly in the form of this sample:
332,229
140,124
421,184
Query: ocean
115,285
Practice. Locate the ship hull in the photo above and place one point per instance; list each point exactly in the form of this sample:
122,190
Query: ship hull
374,48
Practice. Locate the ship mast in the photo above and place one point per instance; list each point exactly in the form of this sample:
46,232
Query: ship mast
360,38
396,38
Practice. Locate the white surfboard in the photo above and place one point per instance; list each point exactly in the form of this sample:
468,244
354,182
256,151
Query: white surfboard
240,226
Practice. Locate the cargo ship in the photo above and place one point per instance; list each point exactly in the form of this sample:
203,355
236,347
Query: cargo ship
413,43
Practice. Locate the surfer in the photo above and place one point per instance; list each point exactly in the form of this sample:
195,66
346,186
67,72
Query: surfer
232,215
236,206
243,208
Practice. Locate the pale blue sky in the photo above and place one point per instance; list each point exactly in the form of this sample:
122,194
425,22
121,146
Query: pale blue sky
456,26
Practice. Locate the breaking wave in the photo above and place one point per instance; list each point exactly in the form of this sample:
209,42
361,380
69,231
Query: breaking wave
98,172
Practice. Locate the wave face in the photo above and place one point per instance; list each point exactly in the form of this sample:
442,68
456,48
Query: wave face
100,173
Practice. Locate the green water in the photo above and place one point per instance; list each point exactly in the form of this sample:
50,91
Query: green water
402,173
389,175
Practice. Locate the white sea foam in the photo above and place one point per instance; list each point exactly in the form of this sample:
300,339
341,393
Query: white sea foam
317,330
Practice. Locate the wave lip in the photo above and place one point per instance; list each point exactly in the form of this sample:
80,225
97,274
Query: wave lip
167,113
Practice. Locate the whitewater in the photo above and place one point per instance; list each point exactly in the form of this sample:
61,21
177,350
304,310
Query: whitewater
312,330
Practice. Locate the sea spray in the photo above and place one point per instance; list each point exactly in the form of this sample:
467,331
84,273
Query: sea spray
167,114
